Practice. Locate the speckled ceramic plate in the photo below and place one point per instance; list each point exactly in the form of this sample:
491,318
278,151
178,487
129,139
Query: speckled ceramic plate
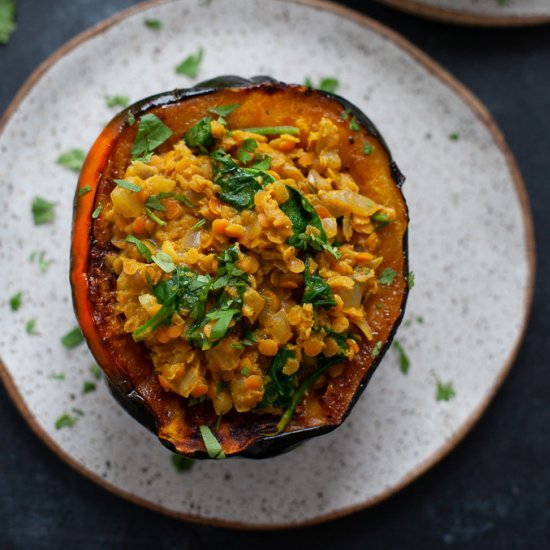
490,13
471,248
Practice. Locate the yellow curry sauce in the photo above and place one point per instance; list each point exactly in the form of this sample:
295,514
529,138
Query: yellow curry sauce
246,261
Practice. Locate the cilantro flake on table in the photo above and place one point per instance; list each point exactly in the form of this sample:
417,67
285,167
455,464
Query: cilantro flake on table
7,20
327,84
73,159
190,66
30,327
182,463
16,300
43,211
444,392
404,361
65,421
117,101
154,24
88,387
73,338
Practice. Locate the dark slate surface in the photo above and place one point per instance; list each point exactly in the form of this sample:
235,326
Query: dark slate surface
493,491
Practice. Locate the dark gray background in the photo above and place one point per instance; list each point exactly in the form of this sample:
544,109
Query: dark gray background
493,491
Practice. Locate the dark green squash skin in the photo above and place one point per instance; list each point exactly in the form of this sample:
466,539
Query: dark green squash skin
267,446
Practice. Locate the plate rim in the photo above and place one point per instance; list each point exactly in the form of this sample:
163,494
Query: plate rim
456,17
484,116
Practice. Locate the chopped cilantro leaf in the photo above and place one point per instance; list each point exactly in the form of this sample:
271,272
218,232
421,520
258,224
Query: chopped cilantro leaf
387,276
153,24
376,350
212,445
42,211
57,376
152,133
182,463
248,146
130,118
224,110
200,135
84,190
15,301
117,101
65,421
245,371
444,392
7,20
354,125
191,64
88,386
97,211
404,361
368,149
43,264
72,159
223,319
73,338
410,280
125,184
142,248
30,327
345,114
164,261
327,84
455,136
95,370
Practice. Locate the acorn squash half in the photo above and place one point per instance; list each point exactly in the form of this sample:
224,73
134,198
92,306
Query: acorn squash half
127,364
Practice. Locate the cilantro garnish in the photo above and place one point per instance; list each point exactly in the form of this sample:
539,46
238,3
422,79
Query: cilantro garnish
7,20
376,350
327,84
404,361
65,421
84,190
302,214
381,220
223,318
15,301
152,133
30,327
213,447
42,211
190,65
273,130
182,463
96,371
354,125
280,387
316,291
72,159
454,136
125,184
153,202
142,248
117,101
368,149
43,264
245,371
248,146
57,376
88,387
130,118
444,392
387,276
73,338
200,135
164,261
224,110
97,211
410,280
153,24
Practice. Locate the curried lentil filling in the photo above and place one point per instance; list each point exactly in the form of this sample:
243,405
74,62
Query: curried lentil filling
246,259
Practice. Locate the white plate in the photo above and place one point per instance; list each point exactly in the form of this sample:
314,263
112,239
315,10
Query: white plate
470,247
479,12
